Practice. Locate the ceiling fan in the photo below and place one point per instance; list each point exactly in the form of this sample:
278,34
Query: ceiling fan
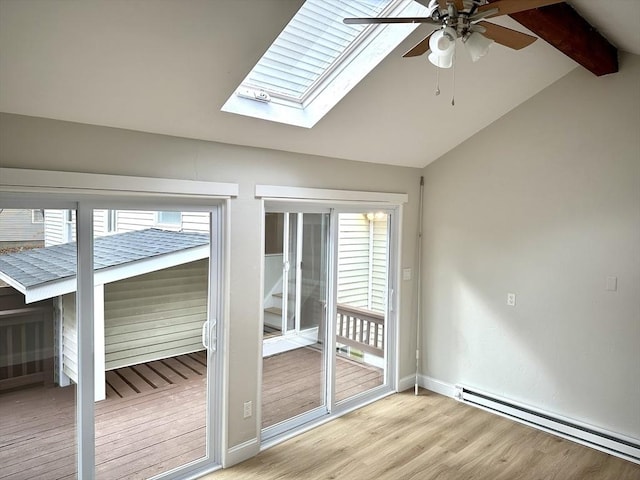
465,20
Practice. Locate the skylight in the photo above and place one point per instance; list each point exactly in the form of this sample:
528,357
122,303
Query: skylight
317,59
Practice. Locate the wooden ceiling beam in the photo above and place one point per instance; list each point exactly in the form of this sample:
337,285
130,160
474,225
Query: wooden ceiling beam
561,26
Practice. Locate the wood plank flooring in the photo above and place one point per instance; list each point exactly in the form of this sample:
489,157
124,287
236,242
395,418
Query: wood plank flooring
428,437
153,418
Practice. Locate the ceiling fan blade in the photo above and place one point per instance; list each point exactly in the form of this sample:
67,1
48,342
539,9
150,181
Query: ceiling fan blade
506,36
419,48
379,20
507,7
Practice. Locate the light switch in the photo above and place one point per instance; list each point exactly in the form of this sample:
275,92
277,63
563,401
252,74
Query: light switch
612,283
406,274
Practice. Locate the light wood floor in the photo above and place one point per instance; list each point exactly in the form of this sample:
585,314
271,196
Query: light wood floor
428,437
154,416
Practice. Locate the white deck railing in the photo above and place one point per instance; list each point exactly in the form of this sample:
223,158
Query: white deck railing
361,329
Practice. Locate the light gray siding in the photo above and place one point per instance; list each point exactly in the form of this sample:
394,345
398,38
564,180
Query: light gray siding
17,225
130,220
379,264
156,315
362,261
353,260
69,337
100,222
55,227
195,221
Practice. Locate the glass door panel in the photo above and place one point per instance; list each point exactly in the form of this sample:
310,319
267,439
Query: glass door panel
363,245
291,271
294,376
151,309
38,349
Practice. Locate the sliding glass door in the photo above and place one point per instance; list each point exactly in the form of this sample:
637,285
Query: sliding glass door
362,292
153,342
328,311
37,401
294,359
108,344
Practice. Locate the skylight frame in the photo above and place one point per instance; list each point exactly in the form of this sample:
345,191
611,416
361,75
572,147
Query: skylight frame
335,64
349,68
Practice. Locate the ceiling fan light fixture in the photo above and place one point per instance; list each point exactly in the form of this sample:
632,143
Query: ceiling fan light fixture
442,44
478,45
441,61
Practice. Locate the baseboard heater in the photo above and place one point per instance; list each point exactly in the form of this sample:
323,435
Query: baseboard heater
627,448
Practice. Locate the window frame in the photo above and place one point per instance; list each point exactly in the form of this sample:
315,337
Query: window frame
341,76
316,200
85,193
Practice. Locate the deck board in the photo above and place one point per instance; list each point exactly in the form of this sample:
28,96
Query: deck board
150,376
292,382
135,381
154,429
178,367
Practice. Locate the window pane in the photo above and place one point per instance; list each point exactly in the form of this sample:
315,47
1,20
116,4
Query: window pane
169,218
313,41
294,376
38,353
361,308
150,416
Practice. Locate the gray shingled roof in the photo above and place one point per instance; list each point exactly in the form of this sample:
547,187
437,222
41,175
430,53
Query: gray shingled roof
41,265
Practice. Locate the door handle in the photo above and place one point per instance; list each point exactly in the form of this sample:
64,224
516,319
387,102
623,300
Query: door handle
214,341
205,335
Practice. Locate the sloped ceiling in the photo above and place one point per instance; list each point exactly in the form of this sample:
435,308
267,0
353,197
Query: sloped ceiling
167,66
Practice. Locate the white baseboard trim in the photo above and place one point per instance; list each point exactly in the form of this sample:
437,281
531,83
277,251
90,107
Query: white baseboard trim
240,453
437,386
405,383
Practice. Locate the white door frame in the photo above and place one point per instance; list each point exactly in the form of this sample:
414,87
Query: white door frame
282,198
21,188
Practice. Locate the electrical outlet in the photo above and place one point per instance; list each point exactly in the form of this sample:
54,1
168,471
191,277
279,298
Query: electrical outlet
247,409
511,299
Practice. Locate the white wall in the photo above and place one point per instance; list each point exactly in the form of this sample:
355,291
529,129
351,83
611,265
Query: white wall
545,203
29,142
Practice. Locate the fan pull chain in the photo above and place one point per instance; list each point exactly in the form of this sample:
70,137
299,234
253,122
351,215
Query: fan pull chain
438,79
453,95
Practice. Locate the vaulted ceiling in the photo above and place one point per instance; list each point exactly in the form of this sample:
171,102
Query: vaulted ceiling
167,66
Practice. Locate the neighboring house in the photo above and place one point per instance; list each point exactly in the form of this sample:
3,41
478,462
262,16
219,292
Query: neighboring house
150,297
60,225
21,228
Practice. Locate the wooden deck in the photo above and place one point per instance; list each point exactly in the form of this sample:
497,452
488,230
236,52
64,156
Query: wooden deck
153,418
291,382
